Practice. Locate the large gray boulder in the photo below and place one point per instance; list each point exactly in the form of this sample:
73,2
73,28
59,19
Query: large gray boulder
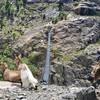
87,8
69,74
81,94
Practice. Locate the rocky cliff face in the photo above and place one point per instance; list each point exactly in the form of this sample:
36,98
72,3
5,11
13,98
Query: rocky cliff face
72,38
75,46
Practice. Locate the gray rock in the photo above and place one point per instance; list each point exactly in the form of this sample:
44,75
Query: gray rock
92,49
86,8
51,12
96,1
87,94
66,75
20,97
52,92
81,94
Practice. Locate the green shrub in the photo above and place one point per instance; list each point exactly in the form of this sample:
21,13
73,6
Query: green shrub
76,4
62,15
97,13
35,57
54,20
56,53
15,34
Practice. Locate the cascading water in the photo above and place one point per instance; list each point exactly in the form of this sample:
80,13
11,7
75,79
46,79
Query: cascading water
46,70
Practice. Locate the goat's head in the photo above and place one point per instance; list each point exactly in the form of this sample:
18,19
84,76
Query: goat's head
18,59
3,66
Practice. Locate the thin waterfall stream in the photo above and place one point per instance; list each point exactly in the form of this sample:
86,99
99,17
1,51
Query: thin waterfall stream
46,70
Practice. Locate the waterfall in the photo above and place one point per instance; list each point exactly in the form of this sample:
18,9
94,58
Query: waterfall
46,70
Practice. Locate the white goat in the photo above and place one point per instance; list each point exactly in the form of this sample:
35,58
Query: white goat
27,78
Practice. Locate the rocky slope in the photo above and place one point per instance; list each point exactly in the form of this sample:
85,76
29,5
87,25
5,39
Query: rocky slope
75,46
72,55
72,39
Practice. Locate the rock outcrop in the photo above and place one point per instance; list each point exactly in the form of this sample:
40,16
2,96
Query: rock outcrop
87,8
72,40
71,54
75,46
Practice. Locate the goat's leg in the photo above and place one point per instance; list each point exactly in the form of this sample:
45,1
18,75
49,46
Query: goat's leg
21,84
36,87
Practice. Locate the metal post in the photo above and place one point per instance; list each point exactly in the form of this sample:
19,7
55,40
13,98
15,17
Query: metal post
46,70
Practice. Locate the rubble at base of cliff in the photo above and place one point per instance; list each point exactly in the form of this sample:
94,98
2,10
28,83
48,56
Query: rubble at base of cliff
46,92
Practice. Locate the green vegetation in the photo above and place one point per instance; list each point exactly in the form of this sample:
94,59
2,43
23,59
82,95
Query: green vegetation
54,20
56,53
62,57
97,13
8,9
6,56
76,4
98,42
62,16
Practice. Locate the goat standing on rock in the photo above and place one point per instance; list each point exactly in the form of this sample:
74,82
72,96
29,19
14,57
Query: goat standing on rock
27,79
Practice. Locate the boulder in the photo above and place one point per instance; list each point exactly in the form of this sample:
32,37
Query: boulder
69,74
81,94
96,1
87,8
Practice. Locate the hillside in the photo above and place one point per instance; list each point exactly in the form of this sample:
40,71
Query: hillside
75,42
